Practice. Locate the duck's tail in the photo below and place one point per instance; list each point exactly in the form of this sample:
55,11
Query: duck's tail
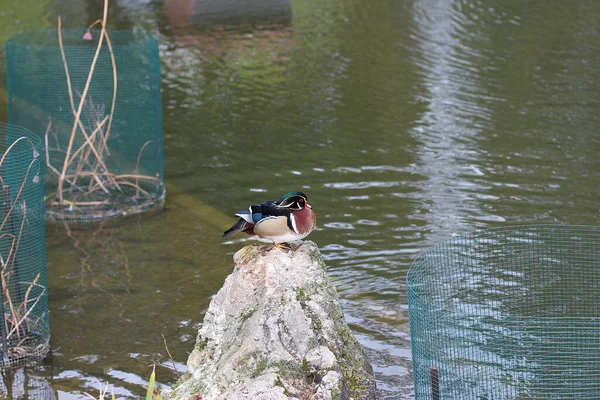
241,226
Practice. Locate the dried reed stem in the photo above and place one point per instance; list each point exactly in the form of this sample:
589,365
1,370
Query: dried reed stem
171,357
137,167
78,203
80,108
48,163
20,319
6,293
12,206
66,66
114,99
24,208
71,100
88,141
19,314
90,153
137,187
13,145
121,176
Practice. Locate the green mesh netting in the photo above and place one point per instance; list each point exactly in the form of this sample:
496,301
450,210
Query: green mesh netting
114,163
506,314
24,319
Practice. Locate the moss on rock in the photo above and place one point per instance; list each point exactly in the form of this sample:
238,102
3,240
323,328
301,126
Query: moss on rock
276,330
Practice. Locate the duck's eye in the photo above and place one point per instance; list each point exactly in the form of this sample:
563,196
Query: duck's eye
298,204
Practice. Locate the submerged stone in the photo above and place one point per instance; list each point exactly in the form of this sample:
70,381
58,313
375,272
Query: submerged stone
276,330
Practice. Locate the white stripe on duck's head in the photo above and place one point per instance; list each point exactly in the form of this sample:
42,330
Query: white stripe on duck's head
293,201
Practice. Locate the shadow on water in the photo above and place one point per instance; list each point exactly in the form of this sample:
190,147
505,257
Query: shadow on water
403,120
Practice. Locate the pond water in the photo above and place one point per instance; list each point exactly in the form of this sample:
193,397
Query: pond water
405,122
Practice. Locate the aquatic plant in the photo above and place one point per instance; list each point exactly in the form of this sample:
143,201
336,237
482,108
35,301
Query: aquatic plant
152,393
85,182
23,293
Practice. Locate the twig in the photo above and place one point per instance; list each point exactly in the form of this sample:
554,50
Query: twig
48,163
78,203
143,177
90,153
96,22
13,145
31,285
79,109
37,299
72,102
88,140
14,265
48,129
4,328
17,321
6,294
170,356
97,179
137,167
12,206
10,252
12,321
122,176
137,188
114,99
66,66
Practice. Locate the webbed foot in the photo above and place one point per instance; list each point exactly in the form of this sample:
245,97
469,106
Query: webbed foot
285,247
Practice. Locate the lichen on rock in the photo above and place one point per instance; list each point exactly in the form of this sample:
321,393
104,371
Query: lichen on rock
276,330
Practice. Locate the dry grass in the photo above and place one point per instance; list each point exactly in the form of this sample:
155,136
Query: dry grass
84,180
18,309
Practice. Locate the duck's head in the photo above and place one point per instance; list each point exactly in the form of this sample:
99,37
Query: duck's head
294,201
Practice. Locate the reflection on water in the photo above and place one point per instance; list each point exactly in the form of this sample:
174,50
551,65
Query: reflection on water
211,13
26,385
404,121
509,313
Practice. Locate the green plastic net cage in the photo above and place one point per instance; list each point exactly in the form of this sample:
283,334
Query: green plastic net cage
506,314
24,318
98,114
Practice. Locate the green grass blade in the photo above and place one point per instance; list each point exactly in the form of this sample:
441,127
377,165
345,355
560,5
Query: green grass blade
150,391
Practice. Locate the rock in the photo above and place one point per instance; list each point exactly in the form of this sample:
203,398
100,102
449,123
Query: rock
276,330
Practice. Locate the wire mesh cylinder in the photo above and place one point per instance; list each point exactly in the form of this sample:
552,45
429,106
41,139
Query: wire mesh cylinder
99,116
510,313
24,319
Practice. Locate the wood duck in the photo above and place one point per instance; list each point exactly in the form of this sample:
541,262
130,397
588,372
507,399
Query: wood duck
279,221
